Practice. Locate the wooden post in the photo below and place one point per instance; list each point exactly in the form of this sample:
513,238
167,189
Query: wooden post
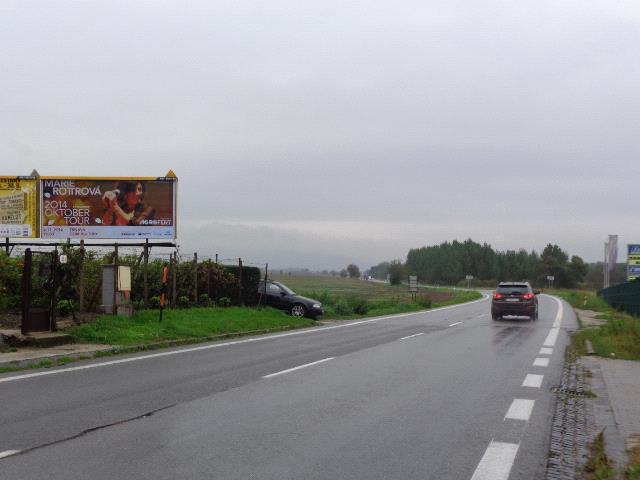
115,280
209,278
54,291
240,282
174,292
145,273
81,280
195,277
26,291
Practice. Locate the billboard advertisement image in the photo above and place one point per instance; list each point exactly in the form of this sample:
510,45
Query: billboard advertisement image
18,207
633,262
104,208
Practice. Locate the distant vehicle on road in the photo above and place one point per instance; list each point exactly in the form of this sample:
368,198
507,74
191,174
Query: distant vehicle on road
514,298
278,295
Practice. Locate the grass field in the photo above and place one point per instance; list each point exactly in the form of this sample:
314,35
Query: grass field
619,337
346,298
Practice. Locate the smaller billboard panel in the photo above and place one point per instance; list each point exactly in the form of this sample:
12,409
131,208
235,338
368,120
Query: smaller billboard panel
18,207
633,262
99,208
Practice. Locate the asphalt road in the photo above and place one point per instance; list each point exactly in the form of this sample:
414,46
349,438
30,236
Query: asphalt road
447,394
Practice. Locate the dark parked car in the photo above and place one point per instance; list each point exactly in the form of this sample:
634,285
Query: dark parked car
280,296
514,298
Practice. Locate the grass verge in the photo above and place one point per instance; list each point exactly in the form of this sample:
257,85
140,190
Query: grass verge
619,337
598,466
633,469
196,323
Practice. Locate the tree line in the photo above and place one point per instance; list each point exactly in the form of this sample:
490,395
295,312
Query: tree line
450,262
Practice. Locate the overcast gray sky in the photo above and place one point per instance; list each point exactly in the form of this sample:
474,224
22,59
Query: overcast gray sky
320,133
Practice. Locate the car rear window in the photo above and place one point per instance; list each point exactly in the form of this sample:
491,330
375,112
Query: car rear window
514,289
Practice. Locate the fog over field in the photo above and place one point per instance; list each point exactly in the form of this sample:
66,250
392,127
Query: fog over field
317,134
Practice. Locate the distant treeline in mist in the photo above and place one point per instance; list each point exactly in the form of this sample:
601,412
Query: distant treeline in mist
450,262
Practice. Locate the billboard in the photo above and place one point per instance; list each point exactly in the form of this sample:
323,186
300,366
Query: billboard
108,208
18,207
633,262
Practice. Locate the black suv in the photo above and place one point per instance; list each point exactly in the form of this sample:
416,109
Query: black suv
280,296
514,298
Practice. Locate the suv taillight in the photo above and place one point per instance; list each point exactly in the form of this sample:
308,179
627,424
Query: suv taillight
527,296
497,296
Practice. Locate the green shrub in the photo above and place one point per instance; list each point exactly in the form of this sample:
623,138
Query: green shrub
359,305
183,301
224,302
64,308
154,302
424,301
138,304
204,300
342,307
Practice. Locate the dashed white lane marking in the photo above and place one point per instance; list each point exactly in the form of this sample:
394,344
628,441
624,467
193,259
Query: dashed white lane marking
298,367
454,324
550,341
520,409
532,380
541,362
546,351
496,462
411,336
8,453
234,342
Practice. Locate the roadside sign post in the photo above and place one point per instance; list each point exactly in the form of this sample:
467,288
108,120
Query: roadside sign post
550,279
469,278
413,286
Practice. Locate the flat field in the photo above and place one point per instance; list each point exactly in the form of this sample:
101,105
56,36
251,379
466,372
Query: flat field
346,298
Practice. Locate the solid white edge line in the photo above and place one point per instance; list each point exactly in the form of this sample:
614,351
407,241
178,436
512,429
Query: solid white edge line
496,462
298,367
541,362
235,342
8,453
520,409
532,380
454,324
546,351
411,336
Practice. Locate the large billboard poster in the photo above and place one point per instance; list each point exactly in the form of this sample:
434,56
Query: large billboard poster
633,262
121,208
18,207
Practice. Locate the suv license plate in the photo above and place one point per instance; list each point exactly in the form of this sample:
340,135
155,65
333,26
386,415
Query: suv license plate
513,299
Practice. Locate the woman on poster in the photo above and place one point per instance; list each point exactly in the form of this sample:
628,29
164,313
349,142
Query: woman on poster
125,205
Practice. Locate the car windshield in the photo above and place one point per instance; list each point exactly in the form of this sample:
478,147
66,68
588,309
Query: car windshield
513,289
285,289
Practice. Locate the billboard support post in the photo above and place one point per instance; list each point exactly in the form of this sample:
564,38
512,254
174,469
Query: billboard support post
115,279
54,290
174,289
81,286
145,273
6,245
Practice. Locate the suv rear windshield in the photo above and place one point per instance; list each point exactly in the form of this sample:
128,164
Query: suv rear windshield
513,289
